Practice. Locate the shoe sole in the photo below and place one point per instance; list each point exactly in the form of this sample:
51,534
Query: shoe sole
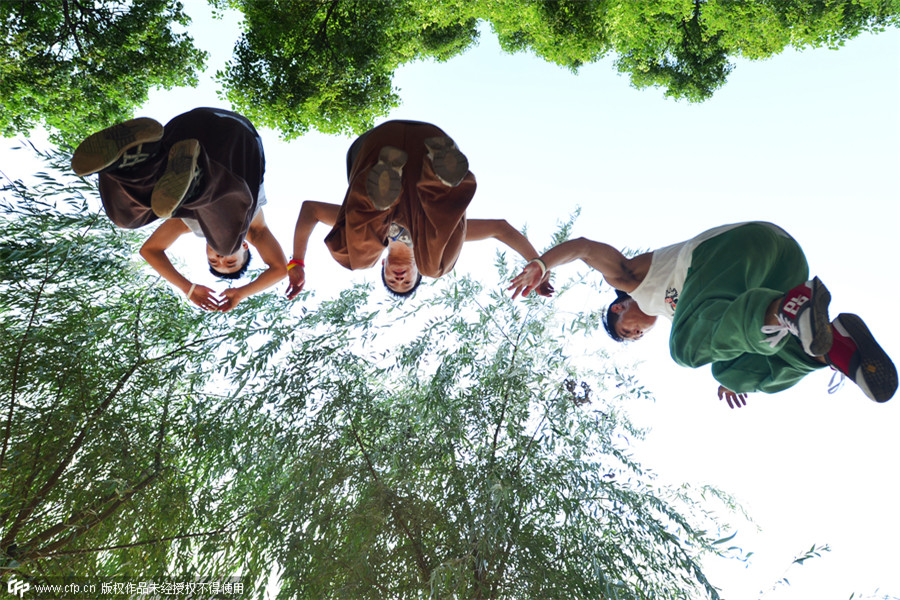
384,183
449,164
822,335
169,191
105,147
875,366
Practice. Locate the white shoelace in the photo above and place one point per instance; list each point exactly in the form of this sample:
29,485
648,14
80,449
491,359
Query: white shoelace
777,332
833,385
132,158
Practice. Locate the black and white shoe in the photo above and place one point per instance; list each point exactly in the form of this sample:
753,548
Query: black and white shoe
450,165
384,182
174,186
122,145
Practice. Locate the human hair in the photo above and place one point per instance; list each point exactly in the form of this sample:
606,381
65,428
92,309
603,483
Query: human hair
611,318
236,274
397,294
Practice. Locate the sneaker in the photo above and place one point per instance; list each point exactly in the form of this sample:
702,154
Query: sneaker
105,148
857,355
172,188
804,313
385,180
449,164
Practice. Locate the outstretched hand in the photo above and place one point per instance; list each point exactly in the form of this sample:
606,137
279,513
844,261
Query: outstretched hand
734,399
545,289
296,280
205,298
230,298
529,280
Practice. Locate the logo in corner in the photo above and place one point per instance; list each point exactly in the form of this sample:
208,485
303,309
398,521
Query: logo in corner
16,587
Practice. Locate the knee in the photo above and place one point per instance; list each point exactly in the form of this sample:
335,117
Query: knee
687,348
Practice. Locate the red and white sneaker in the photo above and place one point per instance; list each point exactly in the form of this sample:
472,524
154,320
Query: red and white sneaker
857,355
804,313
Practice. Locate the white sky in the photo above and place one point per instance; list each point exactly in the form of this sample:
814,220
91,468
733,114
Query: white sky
808,140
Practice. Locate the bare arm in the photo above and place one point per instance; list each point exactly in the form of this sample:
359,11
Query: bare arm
620,272
501,230
311,214
154,252
270,252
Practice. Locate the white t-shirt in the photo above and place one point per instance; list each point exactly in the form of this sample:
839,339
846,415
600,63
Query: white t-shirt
658,293
194,224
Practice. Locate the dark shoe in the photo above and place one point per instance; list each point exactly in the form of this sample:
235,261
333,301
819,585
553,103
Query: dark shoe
122,141
857,355
450,165
172,188
385,180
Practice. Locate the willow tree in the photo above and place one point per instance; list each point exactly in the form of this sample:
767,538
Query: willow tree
455,445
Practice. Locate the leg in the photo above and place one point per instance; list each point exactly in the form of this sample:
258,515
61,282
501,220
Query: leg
733,279
231,163
433,213
768,374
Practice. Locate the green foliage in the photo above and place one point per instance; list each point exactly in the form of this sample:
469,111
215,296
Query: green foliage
442,448
466,459
110,435
328,64
76,67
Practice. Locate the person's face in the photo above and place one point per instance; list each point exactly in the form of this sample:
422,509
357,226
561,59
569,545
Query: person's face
227,264
400,270
633,323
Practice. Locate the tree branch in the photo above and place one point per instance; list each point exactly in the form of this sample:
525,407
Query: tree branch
113,507
67,459
15,375
421,562
70,26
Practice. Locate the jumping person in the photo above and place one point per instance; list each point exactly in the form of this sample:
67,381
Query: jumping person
203,173
409,189
733,294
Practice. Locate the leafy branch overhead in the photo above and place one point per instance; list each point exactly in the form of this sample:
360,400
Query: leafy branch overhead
328,65
75,67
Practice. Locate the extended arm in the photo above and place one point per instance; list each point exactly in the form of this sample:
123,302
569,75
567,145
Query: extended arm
501,230
620,272
154,252
270,252
311,214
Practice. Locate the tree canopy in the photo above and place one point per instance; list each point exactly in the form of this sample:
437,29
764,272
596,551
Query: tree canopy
470,457
76,67
328,64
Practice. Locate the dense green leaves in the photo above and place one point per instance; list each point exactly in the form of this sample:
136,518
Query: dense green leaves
328,64
75,66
